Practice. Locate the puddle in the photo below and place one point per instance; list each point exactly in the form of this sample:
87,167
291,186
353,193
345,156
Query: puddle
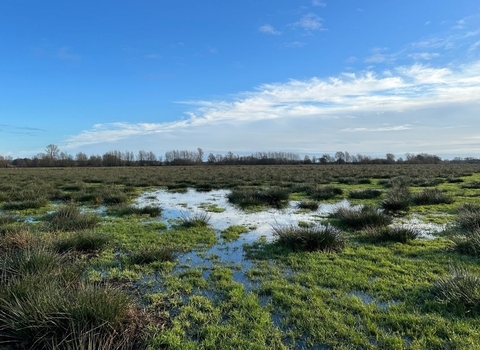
177,204
428,230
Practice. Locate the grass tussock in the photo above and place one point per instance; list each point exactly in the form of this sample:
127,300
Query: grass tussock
249,197
308,205
468,218
146,255
398,200
70,218
84,241
126,210
324,192
366,216
45,305
402,234
309,238
368,193
431,196
468,242
197,219
460,291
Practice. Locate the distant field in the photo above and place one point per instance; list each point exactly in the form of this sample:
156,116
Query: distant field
125,258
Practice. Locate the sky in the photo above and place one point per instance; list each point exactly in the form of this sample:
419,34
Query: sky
304,76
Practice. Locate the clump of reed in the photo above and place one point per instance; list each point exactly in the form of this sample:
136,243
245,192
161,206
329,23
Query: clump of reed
309,238
366,216
460,291
368,193
324,192
308,205
431,196
248,197
402,234
69,218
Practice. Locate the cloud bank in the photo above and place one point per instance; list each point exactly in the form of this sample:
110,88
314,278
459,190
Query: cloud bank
416,108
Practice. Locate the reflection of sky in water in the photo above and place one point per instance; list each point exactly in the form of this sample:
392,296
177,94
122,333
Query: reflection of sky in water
177,204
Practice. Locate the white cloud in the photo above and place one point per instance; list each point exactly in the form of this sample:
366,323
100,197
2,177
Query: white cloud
268,29
310,22
319,3
425,56
376,110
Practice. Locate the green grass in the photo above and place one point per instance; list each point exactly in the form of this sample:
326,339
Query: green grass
70,218
232,233
363,217
309,238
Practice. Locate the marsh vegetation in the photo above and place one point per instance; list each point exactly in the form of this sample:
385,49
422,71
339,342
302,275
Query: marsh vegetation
264,257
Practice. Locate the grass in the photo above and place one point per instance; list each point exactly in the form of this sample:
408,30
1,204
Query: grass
459,291
82,241
198,219
468,217
431,196
401,234
368,193
251,197
232,233
398,200
324,192
125,210
147,255
309,238
366,295
309,205
70,218
361,218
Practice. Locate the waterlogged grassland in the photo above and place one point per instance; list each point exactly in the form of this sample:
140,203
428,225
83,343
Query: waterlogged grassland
198,287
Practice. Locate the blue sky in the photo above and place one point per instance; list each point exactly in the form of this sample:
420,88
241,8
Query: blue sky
304,76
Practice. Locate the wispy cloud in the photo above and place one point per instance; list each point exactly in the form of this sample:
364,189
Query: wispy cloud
379,129
310,22
268,29
423,56
380,55
319,3
297,112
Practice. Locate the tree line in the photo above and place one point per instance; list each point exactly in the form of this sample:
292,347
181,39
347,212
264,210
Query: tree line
53,157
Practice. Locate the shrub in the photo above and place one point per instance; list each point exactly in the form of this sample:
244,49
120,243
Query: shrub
310,205
70,218
398,199
402,234
468,217
431,196
82,241
460,291
324,192
368,193
361,218
309,238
